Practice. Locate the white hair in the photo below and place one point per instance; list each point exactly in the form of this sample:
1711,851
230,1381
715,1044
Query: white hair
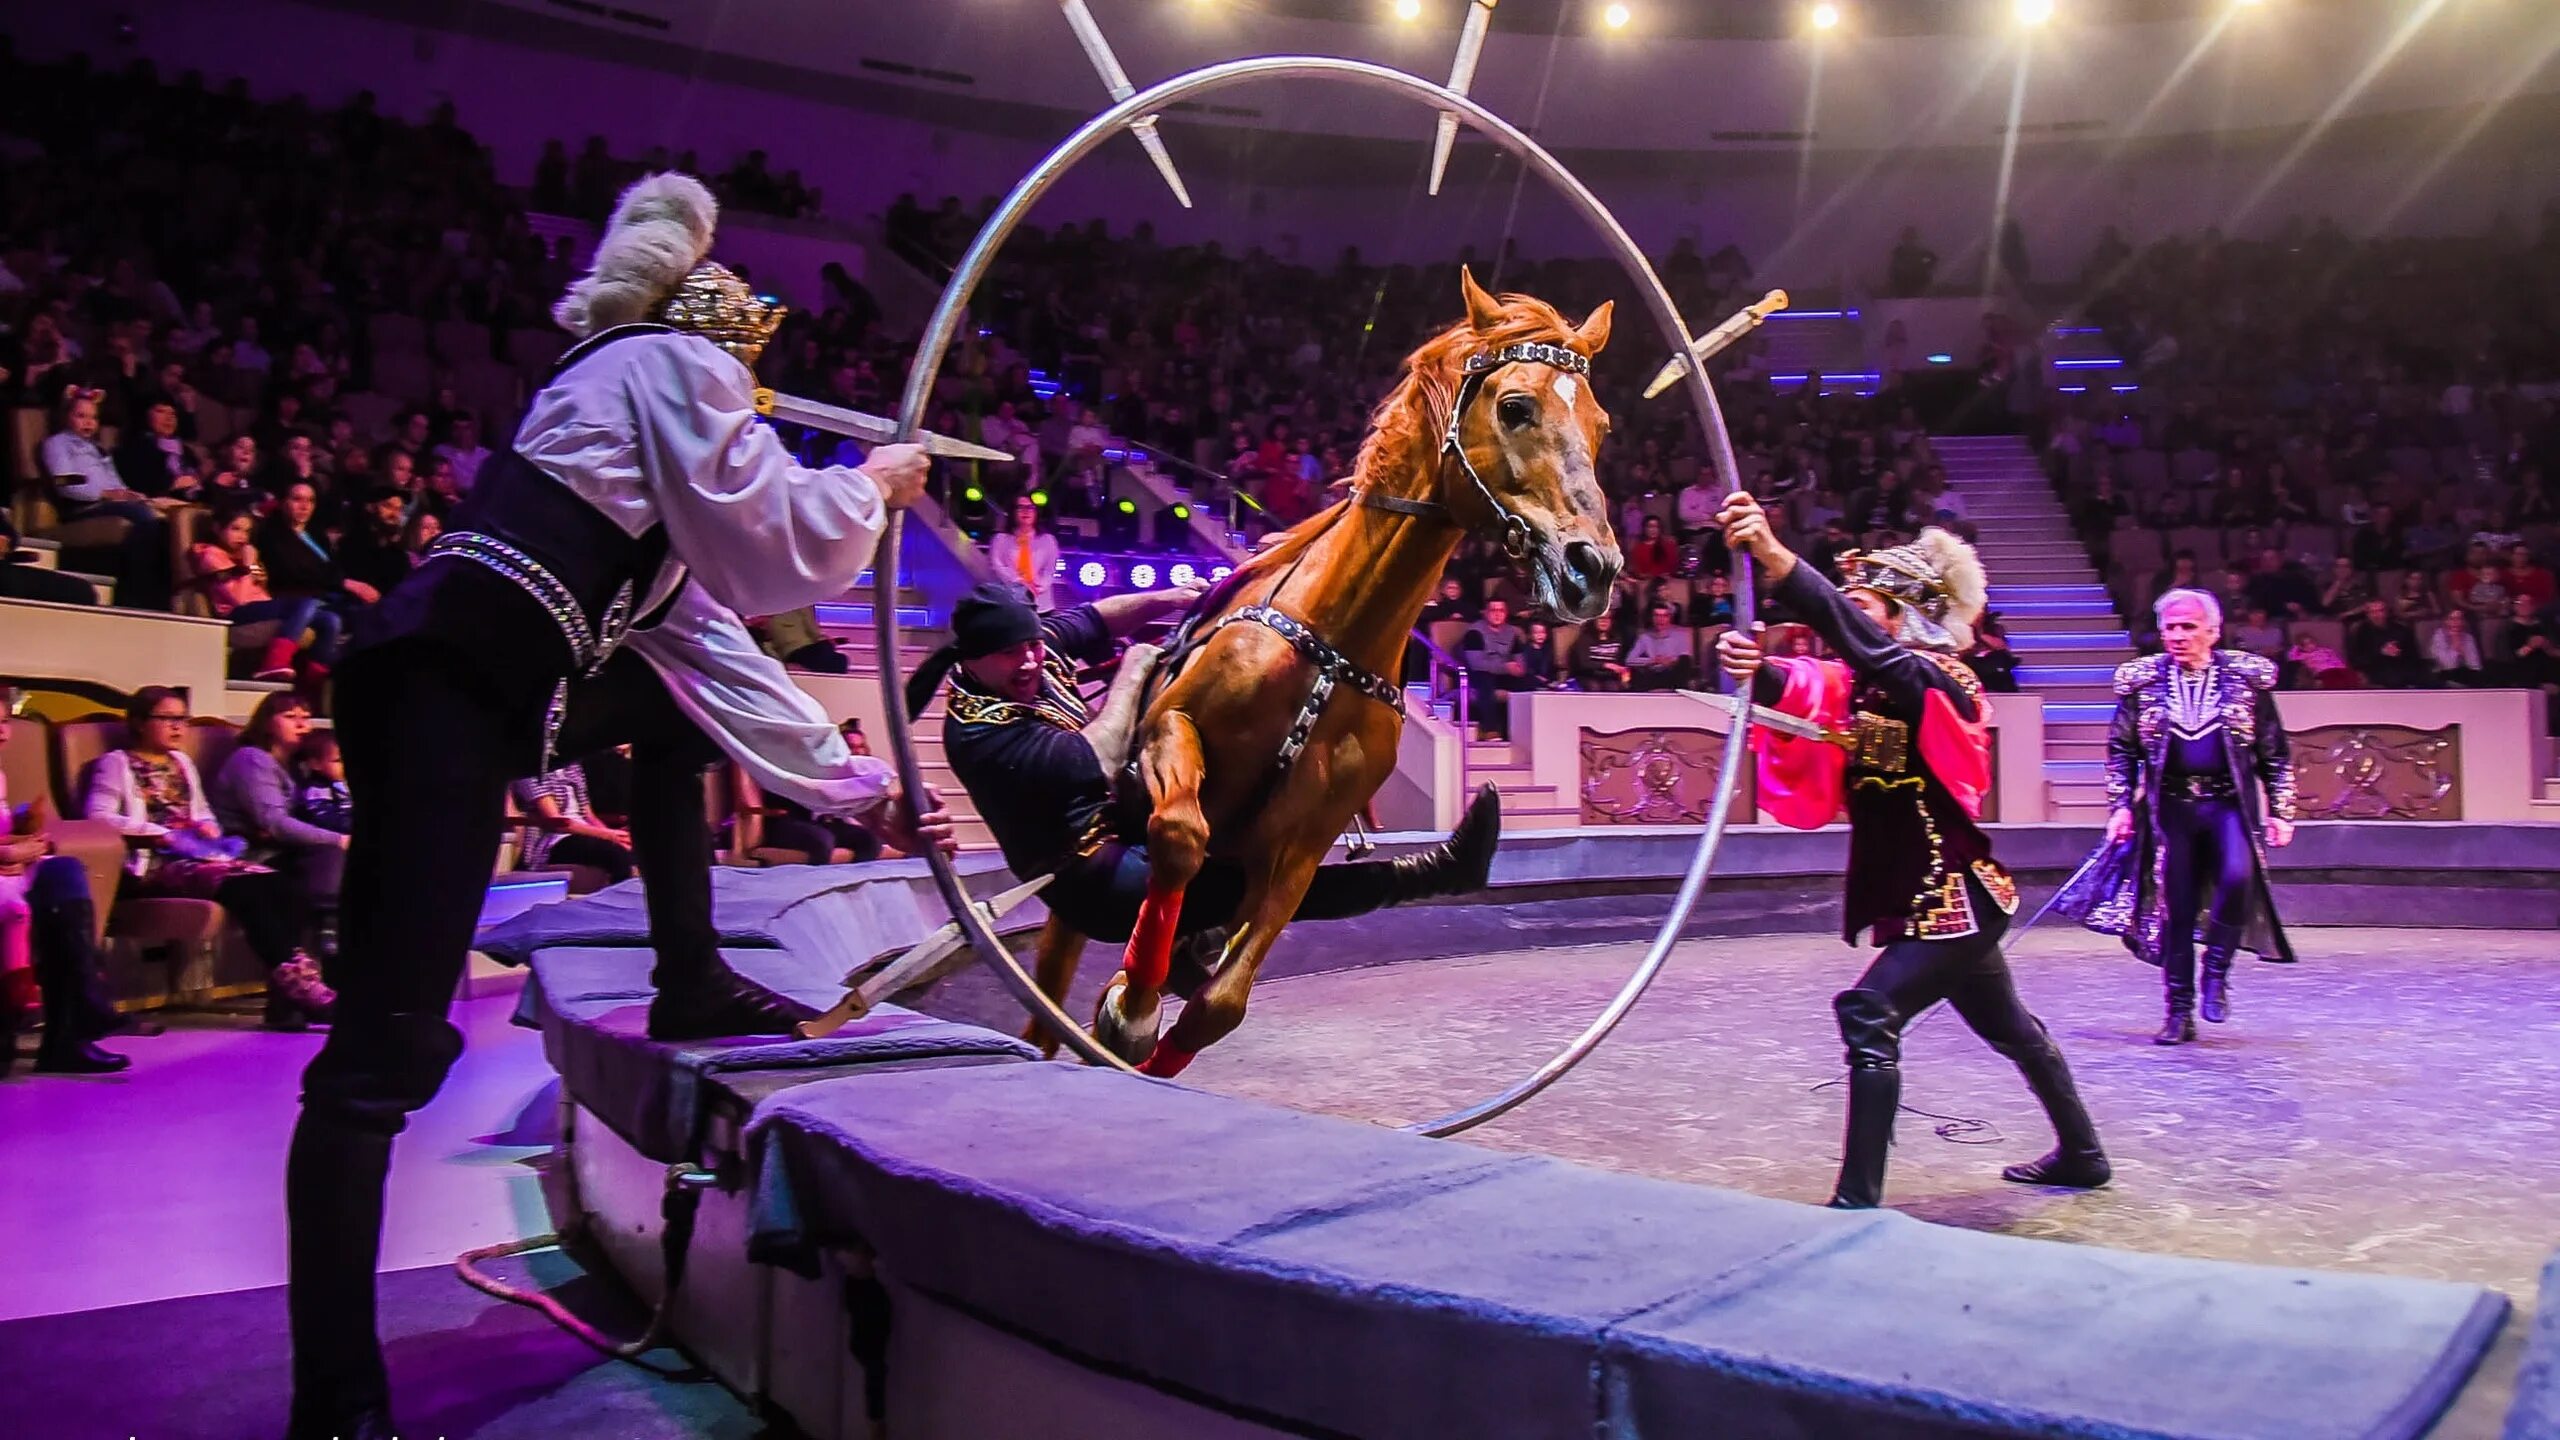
2201,599
660,230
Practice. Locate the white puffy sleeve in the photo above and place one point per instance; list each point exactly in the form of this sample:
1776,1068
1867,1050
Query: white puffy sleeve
746,702
761,532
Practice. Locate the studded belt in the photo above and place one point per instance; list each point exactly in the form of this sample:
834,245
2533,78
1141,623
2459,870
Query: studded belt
590,646
2199,787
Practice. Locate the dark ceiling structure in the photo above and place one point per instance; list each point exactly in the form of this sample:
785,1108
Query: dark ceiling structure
1757,19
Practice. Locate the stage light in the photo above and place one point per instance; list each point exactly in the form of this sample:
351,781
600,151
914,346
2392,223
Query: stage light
1181,512
1408,10
2034,12
974,495
1040,497
1142,576
1128,507
1826,16
1181,575
1091,575
1616,17
1058,569
1942,359
1221,573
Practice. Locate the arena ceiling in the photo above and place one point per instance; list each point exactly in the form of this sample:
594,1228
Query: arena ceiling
1762,19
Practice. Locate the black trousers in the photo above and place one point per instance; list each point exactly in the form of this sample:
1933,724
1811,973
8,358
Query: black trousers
593,851
431,738
1101,893
2209,866
1968,973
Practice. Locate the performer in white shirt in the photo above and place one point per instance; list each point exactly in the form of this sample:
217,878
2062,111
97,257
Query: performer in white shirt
641,499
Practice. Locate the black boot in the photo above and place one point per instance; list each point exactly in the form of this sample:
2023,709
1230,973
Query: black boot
721,1002
2179,1026
1872,1031
2077,1162
1459,865
62,948
2220,942
334,1178
67,929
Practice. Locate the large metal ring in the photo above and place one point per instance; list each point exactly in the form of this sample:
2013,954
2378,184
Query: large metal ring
952,311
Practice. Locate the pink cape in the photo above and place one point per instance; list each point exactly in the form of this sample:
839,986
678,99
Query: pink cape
1803,782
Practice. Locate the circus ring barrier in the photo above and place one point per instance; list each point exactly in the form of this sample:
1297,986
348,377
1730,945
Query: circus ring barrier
912,1227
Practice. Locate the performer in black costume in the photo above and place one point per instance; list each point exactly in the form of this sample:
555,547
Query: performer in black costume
1912,768
642,501
1041,766
2195,735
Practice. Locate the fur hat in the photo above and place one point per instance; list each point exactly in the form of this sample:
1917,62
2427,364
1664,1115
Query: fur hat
1936,584
661,229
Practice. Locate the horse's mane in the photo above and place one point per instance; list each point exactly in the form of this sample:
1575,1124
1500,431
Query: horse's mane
1416,413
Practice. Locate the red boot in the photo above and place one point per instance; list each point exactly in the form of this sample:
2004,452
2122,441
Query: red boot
277,663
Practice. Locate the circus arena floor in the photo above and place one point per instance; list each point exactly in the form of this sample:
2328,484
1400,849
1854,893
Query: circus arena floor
2385,1105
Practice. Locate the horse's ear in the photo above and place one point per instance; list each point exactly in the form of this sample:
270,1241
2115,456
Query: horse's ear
1483,311
1593,332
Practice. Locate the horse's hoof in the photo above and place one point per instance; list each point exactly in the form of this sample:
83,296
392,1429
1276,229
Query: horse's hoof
1131,1037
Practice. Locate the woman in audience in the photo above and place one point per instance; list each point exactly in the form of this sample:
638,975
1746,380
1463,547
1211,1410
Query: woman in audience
1654,556
299,559
2347,591
1600,654
150,792
48,925
2456,651
565,830
254,798
234,580
1028,553
2417,603
419,533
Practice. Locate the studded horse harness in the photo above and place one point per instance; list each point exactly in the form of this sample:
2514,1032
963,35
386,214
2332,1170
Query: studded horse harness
1334,669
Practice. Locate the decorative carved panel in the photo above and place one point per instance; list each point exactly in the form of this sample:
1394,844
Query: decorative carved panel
1655,777
2378,772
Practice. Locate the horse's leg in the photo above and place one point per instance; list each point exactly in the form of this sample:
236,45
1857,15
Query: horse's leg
1269,901
1061,946
1177,846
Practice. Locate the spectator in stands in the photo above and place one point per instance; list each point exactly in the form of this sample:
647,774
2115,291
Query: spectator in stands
564,829
2528,579
254,797
22,579
1665,656
2417,602
2181,574
462,446
1491,652
2278,586
2378,544
154,462
2384,649
2174,510
2480,587
376,552
2097,514
1696,508
826,840
150,792
1989,656
1449,604
1711,604
1028,553
48,924
86,485
232,576
299,560
1653,555
2317,666
2259,635
320,784
1912,266
2236,500
2455,651
422,531
2433,542
2348,590
1599,660
1538,653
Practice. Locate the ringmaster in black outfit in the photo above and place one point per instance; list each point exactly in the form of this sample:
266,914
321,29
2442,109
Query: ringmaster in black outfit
1910,760
2196,735
587,595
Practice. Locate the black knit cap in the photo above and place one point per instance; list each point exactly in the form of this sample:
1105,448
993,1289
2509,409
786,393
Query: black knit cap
998,615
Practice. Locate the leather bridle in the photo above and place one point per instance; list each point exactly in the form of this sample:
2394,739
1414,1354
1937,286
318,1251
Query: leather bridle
1506,526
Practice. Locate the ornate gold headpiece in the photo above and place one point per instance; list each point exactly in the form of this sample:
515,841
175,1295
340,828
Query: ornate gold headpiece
714,303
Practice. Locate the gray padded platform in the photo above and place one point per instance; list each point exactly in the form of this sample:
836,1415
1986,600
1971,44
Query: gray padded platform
1318,1273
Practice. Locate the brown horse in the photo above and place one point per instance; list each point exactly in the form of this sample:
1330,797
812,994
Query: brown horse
1251,746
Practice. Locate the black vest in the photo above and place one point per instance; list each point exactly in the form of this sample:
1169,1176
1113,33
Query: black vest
501,622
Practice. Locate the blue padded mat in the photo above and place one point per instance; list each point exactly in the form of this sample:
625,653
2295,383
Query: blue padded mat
1322,1273
592,1006
2536,1414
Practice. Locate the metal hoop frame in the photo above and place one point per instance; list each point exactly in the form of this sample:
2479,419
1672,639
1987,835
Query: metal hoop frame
952,310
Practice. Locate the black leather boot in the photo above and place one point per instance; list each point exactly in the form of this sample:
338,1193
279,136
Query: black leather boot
1872,1032
2220,943
72,1021
334,1178
2077,1162
1459,865
718,1003
2179,1025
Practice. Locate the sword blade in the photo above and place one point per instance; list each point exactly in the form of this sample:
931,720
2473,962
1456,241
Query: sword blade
1116,80
1741,323
1462,74
1768,719
879,429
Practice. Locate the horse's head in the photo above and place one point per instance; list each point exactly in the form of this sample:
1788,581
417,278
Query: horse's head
1528,429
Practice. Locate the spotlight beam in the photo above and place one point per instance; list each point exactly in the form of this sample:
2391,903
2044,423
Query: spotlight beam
2008,167
1462,74
2373,68
1948,103
1116,80
2505,90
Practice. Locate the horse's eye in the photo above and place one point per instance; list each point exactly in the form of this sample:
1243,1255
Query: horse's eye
1519,411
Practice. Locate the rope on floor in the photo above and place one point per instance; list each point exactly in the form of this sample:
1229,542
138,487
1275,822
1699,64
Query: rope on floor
682,1203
